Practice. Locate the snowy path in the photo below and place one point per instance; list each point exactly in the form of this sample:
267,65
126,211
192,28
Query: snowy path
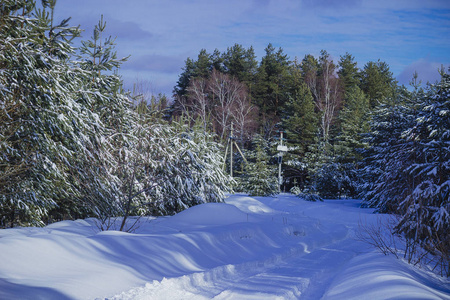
249,248
305,271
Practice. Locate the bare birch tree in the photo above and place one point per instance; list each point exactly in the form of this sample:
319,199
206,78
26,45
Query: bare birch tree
225,93
219,101
198,101
244,116
324,85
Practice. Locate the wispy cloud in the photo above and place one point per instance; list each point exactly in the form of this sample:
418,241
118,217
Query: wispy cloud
160,35
129,31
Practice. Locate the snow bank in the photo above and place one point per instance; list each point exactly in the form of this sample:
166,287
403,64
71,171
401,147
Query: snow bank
208,214
383,277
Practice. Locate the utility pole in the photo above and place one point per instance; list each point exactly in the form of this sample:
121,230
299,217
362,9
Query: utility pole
279,163
231,150
281,150
230,143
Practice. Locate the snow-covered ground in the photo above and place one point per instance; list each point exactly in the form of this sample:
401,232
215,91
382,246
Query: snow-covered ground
248,248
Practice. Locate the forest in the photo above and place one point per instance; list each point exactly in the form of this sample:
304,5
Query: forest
75,144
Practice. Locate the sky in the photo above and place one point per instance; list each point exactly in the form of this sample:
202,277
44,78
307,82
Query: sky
409,35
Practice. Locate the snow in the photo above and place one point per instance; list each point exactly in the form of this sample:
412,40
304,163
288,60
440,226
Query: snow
247,248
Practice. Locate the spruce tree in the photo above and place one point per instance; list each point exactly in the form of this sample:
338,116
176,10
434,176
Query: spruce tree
348,72
300,123
260,178
425,210
386,179
354,120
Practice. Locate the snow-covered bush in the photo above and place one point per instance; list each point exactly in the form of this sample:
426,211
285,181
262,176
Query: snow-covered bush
161,169
306,195
309,197
332,181
295,190
197,176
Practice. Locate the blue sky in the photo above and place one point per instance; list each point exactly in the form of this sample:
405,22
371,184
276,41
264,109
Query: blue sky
159,35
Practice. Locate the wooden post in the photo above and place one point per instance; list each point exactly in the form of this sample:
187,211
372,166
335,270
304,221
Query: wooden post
231,150
279,165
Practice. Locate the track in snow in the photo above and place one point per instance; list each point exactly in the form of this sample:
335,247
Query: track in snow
302,271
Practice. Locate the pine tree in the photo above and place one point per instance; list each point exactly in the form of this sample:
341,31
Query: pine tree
310,68
181,89
354,119
217,61
48,126
240,63
348,73
377,82
163,168
350,142
260,178
269,92
300,123
210,180
102,93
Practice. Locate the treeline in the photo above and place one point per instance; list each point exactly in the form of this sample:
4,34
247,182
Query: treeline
350,132
323,107
74,144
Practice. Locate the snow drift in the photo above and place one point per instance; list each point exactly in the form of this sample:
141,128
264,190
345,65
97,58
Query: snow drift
246,248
